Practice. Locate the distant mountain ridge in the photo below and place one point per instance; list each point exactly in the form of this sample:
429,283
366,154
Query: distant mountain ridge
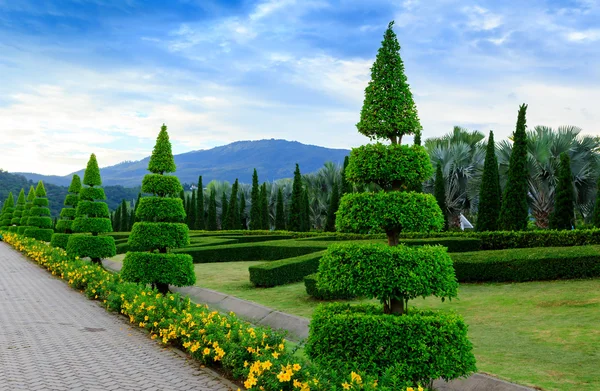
273,159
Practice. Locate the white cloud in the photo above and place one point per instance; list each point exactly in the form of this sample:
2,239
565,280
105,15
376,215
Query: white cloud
480,18
584,35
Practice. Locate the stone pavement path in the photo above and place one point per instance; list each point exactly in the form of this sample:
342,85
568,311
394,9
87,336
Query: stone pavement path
54,338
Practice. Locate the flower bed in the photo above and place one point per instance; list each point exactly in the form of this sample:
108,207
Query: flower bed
257,356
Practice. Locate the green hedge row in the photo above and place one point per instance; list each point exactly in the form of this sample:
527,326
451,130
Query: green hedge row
284,271
311,285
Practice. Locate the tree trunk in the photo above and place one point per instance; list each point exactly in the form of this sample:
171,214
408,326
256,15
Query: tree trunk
393,237
162,287
97,261
397,306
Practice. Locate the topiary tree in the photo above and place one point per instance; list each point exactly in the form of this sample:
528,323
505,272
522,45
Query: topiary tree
160,227
25,215
18,213
39,221
563,216
280,212
295,213
417,346
64,226
92,216
255,215
439,191
490,193
7,211
514,212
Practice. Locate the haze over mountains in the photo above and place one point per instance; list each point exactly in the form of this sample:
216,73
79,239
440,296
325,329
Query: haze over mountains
273,159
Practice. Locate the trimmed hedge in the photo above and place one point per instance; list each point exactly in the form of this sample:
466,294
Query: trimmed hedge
91,194
66,213
92,224
41,234
92,209
418,346
518,265
454,245
161,185
39,211
40,202
71,200
60,240
147,236
311,285
91,246
284,271
161,210
39,222
63,225
149,268
22,228
13,229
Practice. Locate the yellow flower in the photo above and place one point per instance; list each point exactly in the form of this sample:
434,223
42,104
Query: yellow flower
346,386
206,351
297,367
275,354
267,364
410,389
356,377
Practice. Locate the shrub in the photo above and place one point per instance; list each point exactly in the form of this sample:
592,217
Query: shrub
312,289
39,221
151,268
28,206
161,209
94,247
18,213
161,185
59,240
147,236
284,271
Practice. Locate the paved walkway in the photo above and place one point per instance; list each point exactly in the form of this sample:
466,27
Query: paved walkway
54,338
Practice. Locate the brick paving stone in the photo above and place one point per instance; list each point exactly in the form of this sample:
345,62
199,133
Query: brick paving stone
54,338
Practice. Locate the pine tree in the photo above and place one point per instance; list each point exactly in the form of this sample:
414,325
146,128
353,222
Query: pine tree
280,212
64,226
200,221
18,213
28,206
192,214
39,221
242,220
7,211
264,207
490,192
334,203
306,225
514,212
255,214
440,193
233,211
92,216
389,111
563,216
212,211
224,211
295,214
161,227
124,216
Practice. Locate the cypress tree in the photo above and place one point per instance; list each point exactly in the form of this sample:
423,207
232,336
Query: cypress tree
161,227
117,219
124,216
212,211
264,208
242,220
18,213
255,214
192,214
563,216
295,214
7,212
490,192
389,111
346,186
280,214
515,211
224,211
596,215
334,203
233,211
64,226
39,221
440,193
131,219
306,226
200,221
92,215
28,206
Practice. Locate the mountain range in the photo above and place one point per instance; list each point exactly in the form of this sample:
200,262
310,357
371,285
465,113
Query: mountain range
273,159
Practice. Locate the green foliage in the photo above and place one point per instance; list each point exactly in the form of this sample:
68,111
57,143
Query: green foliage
528,264
39,202
375,212
515,210
155,209
284,271
94,247
40,191
39,223
419,346
388,111
264,207
148,236
68,213
152,268
191,216
490,192
233,210
242,219
91,224
60,240
39,211
75,186
41,234
385,272
401,167
255,213
453,245
596,215
162,159
346,185
306,226
200,221
212,211
92,209
296,209
311,284
21,198
334,204
91,177
92,194
440,193
21,230
124,216
279,212
72,199
161,185
223,211
563,216
62,226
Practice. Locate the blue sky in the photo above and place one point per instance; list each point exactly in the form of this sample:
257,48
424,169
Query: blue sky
102,76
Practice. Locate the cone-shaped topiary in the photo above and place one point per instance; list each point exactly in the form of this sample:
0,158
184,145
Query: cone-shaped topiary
563,216
417,346
67,215
39,221
255,220
490,193
25,215
92,216
160,226
7,211
18,213
295,214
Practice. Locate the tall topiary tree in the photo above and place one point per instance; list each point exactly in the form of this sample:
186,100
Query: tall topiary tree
92,216
264,207
224,211
563,216
161,227
7,211
39,221
25,215
255,215
439,192
200,221
414,345
515,211
233,210
279,212
212,211
490,192
334,203
296,210
18,213
64,226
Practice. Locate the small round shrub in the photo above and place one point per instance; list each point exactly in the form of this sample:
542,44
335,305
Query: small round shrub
149,268
91,246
